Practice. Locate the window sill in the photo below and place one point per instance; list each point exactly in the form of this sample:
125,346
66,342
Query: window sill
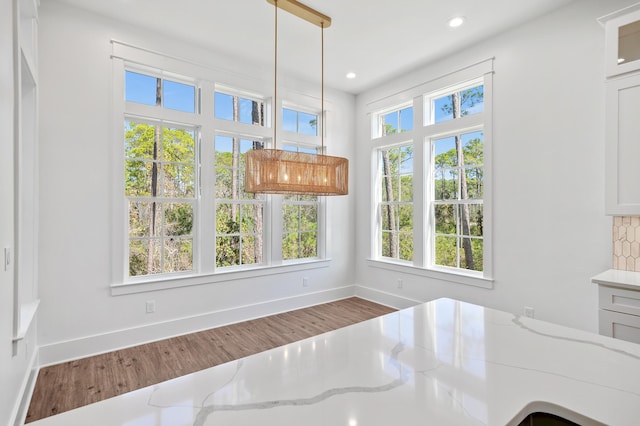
177,281
439,274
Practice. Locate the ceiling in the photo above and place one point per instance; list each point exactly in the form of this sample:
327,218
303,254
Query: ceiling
375,39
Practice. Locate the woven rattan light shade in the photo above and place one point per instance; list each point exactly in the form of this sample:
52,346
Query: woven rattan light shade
274,171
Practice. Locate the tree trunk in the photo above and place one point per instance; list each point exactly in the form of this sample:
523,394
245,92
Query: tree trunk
391,216
157,143
464,192
234,163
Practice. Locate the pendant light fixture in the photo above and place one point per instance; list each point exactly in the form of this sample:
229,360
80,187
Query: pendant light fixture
275,171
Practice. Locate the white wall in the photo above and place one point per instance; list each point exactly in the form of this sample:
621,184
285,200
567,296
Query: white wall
550,231
78,314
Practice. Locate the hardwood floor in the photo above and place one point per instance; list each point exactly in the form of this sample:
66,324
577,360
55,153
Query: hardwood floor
76,383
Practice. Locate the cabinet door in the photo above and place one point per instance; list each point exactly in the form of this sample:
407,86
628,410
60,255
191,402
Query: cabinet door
622,41
622,139
619,326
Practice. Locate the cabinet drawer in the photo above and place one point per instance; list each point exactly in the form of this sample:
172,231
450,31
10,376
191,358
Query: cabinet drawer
619,300
620,326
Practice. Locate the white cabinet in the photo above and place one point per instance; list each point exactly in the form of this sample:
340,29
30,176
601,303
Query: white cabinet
619,304
622,126
622,40
622,141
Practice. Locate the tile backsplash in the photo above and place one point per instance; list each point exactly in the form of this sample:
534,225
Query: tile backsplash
626,243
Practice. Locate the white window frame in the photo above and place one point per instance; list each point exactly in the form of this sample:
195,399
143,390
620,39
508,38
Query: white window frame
128,57
422,133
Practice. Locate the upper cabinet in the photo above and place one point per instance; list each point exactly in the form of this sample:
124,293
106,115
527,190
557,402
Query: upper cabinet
622,41
622,126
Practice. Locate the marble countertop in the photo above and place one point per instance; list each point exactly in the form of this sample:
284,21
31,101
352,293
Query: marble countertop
444,362
618,278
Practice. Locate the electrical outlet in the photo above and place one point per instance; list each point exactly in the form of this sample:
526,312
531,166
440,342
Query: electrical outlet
151,306
7,258
528,312
305,282
400,283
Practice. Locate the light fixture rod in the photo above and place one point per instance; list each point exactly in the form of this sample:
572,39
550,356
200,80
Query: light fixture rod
303,11
322,115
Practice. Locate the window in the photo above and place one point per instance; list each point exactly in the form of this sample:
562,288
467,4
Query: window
430,194
149,90
300,220
183,148
457,200
239,215
299,122
396,202
398,120
160,189
237,108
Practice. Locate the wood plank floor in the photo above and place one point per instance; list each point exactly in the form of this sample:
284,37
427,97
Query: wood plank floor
76,383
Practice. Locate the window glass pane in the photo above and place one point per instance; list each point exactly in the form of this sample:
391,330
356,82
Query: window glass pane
443,109
250,250
251,112
223,183
178,255
139,139
445,184
472,100
475,184
223,144
227,251
289,120
458,104
178,218
179,96
446,219
445,152
476,216
138,178
405,240
178,145
290,219
140,219
307,124
390,123
475,261
446,251
308,217
406,188
139,259
309,245
223,106
406,119
473,148
140,88
406,159
226,218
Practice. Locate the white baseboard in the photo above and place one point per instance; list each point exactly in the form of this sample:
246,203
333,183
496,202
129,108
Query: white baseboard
58,352
385,298
19,413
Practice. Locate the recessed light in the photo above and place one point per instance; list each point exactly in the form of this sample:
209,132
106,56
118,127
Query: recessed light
456,22
351,75
621,60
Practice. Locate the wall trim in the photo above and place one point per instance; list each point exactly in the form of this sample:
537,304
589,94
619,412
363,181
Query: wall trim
19,412
385,298
68,350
